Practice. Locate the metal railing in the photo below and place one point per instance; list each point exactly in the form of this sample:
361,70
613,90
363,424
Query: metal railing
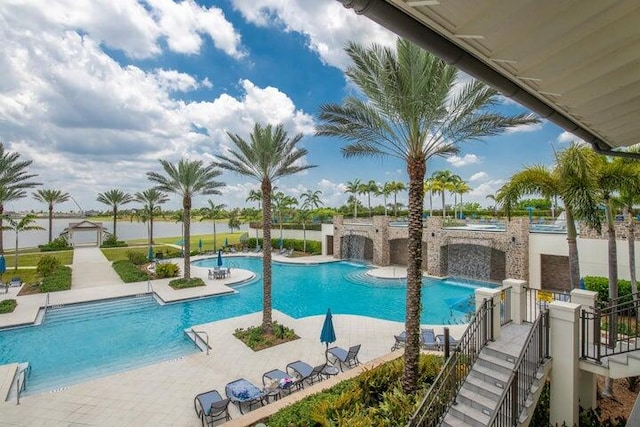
196,336
46,303
443,391
505,306
610,329
534,353
539,300
149,287
22,386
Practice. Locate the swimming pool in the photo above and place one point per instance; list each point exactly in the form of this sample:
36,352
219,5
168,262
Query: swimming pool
78,342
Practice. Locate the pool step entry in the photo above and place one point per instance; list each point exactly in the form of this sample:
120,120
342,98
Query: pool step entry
18,384
199,338
73,313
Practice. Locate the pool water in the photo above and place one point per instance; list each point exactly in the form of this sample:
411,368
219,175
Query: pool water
84,341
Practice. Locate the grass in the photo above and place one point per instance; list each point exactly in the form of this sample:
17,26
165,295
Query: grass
129,272
8,305
31,258
59,280
255,338
186,283
207,240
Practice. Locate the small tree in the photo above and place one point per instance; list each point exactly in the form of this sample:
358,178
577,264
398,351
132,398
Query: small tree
26,223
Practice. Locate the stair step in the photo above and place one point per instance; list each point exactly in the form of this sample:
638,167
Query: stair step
490,390
451,421
496,364
499,354
490,375
471,416
476,400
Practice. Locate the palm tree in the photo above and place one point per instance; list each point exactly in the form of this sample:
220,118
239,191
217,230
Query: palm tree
429,186
234,220
115,198
26,223
14,180
495,205
396,187
281,205
385,192
187,179
151,200
411,113
213,212
51,197
310,201
353,187
255,196
461,188
443,181
269,155
368,188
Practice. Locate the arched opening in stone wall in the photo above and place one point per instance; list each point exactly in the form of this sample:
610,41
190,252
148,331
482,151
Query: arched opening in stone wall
398,251
473,262
356,247
554,272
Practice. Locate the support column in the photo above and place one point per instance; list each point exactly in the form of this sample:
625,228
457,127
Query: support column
587,381
564,327
518,299
492,294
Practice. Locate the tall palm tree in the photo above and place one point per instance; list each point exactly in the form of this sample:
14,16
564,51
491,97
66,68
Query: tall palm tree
353,187
396,187
51,197
213,212
461,188
282,204
495,205
115,198
368,188
310,201
443,181
255,196
187,179
411,113
26,223
429,186
268,156
14,180
151,200
385,192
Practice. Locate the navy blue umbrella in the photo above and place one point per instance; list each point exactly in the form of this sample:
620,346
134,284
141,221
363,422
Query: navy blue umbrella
3,267
328,334
219,257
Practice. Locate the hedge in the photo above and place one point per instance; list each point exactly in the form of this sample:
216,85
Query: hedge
288,226
313,246
601,286
58,279
129,272
8,305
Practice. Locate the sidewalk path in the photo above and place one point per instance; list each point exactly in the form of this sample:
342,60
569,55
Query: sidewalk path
91,268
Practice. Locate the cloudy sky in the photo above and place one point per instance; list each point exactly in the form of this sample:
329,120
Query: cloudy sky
94,92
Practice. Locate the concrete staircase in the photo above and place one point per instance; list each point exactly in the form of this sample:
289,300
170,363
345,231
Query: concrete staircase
617,366
480,394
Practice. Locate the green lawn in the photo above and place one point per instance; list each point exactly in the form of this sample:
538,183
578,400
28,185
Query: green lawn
119,254
31,258
207,240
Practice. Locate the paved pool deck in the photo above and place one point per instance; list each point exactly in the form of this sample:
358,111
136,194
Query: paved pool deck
162,394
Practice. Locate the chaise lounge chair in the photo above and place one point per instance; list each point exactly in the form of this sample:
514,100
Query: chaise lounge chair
401,341
305,372
277,382
242,391
15,282
211,407
344,357
453,343
428,339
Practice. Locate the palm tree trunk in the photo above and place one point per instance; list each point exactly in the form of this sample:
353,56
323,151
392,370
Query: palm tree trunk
304,237
115,215
385,204
15,254
369,202
444,210
1,234
355,206
613,285
416,168
50,222
266,257
395,204
430,203
632,257
186,223
151,228
574,260
215,237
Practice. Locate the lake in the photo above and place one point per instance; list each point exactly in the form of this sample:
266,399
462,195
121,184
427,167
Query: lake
126,231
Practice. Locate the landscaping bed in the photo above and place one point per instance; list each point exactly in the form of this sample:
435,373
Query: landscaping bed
186,283
8,305
255,338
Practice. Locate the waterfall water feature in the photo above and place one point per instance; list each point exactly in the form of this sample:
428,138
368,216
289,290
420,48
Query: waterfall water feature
353,247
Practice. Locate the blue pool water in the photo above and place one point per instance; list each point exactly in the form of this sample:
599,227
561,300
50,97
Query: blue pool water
90,340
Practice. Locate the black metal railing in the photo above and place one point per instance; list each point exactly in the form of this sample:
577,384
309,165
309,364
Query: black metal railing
505,306
534,353
443,391
610,329
538,300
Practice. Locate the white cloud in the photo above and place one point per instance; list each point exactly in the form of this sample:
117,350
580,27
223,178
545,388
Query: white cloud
567,138
333,194
327,24
467,159
534,127
486,188
479,176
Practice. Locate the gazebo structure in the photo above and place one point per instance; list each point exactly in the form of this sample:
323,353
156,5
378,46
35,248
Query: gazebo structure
84,226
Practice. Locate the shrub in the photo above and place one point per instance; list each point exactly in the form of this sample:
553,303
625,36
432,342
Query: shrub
129,272
47,264
313,246
57,280
186,283
255,338
59,244
112,242
601,286
137,257
167,269
8,305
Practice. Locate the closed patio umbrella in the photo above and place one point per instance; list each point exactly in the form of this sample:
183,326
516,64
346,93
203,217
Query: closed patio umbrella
3,268
150,254
328,334
199,245
226,242
219,257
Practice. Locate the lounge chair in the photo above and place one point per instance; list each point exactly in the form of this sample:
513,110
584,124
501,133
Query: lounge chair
288,253
242,391
344,357
257,250
15,282
211,407
453,343
428,339
282,251
277,382
305,372
401,341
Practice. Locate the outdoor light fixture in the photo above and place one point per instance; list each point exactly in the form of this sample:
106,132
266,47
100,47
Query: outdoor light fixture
513,239
433,234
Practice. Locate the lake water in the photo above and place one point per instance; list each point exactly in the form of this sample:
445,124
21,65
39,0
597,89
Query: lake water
126,231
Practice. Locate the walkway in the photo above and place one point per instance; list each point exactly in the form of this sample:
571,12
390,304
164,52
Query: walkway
91,268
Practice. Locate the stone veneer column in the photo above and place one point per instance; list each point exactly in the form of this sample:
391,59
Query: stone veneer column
517,254
338,231
381,255
564,328
494,295
433,236
587,381
518,299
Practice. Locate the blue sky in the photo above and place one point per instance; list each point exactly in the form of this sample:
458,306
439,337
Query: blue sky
96,92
